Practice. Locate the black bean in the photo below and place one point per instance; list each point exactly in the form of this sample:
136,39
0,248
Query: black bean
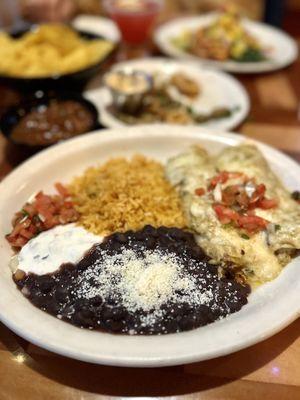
107,313
162,230
118,313
83,318
186,323
45,283
97,301
61,294
114,326
150,242
121,238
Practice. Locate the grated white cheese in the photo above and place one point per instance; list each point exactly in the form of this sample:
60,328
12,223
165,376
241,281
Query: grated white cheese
142,283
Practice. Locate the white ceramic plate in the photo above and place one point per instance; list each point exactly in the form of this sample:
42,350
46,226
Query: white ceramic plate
283,49
218,89
99,26
270,308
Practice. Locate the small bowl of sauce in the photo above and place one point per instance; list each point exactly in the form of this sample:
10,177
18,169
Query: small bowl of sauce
128,88
49,119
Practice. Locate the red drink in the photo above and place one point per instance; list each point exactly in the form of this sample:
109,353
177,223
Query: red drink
134,18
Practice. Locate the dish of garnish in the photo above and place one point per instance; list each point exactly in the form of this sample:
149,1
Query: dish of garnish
146,246
227,41
165,91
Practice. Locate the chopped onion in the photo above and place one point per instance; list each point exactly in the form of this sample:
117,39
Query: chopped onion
250,189
217,193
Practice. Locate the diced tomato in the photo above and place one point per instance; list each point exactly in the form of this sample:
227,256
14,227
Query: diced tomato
200,191
52,221
29,209
237,207
20,241
33,229
225,214
26,234
45,212
62,190
258,194
266,204
21,225
223,178
252,223
42,198
261,189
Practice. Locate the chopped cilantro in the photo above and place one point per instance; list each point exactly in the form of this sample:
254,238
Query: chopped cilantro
226,226
244,236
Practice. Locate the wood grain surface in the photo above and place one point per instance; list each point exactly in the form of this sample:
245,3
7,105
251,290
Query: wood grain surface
269,370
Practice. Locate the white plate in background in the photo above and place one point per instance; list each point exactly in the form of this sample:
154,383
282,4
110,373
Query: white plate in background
99,26
271,307
283,49
218,89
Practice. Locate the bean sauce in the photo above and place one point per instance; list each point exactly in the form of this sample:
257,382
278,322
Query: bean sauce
48,124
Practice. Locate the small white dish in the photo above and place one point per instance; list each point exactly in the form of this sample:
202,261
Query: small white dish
272,307
98,25
218,89
283,50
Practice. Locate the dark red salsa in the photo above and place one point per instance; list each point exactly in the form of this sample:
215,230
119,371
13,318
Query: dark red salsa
48,124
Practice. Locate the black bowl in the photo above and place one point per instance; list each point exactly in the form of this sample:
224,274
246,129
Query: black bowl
72,81
14,114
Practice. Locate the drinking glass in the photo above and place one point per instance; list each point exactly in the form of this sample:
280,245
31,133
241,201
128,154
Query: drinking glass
135,18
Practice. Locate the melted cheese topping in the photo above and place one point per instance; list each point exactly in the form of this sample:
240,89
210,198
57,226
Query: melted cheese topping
256,255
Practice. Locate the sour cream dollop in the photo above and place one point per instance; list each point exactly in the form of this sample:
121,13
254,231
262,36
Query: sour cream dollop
50,249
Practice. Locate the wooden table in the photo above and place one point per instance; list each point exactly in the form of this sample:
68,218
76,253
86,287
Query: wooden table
269,370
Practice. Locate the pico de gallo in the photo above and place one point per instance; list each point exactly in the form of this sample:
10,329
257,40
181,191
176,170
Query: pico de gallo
235,204
41,214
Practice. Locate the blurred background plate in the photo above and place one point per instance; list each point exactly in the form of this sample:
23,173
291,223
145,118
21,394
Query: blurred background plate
283,49
97,25
218,89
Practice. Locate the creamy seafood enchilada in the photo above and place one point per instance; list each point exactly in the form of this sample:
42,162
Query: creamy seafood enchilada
241,212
